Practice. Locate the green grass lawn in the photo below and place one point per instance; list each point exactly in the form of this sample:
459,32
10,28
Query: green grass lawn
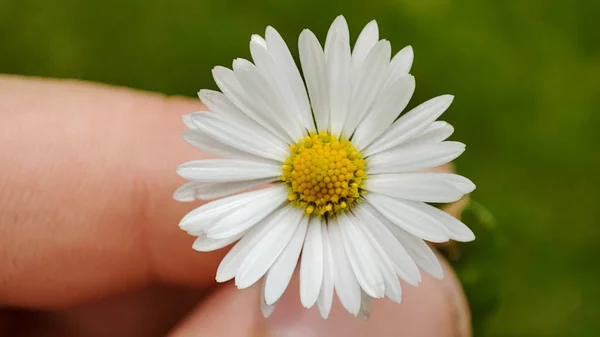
526,76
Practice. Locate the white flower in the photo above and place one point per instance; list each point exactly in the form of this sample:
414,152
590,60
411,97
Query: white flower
347,192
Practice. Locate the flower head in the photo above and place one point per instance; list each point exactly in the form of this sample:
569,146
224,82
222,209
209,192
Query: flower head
348,192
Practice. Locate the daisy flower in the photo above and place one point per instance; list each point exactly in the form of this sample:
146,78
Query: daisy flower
347,196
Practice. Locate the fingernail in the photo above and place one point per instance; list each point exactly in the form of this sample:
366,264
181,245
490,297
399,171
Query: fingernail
290,320
435,308
459,311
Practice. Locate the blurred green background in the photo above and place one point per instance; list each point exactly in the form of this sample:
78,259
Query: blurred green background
526,75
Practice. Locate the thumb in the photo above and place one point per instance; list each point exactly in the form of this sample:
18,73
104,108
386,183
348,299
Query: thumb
435,308
227,312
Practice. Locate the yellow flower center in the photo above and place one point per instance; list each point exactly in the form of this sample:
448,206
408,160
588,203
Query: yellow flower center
324,174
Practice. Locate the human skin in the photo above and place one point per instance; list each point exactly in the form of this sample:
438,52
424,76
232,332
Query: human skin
89,243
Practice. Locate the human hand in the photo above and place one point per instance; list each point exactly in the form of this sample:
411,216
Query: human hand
89,242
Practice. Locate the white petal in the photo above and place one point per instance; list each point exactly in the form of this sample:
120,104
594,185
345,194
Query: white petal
244,138
368,84
245,217
230,264
225,170
361,256
388,105
194,190
436,132
393,291
265,252
228,113
275,74
428,187
337,54
314,68
414,158
187,120
411,124
280,274
267,98
218,103
367,38
462,183
281,53
366,304
266,309
402,263
456,229
401,64
346,284
204,142
231,87
187,191
408,218
326,293
258,39
311,266
338,27
206,244
198,220
418,250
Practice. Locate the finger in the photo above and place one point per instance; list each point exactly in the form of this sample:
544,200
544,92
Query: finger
4,315
85,194
148,312
228,312
158,307
435,308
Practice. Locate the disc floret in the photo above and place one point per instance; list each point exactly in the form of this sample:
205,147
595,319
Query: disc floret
324,174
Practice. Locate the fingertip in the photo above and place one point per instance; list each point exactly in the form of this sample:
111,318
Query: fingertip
435,308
